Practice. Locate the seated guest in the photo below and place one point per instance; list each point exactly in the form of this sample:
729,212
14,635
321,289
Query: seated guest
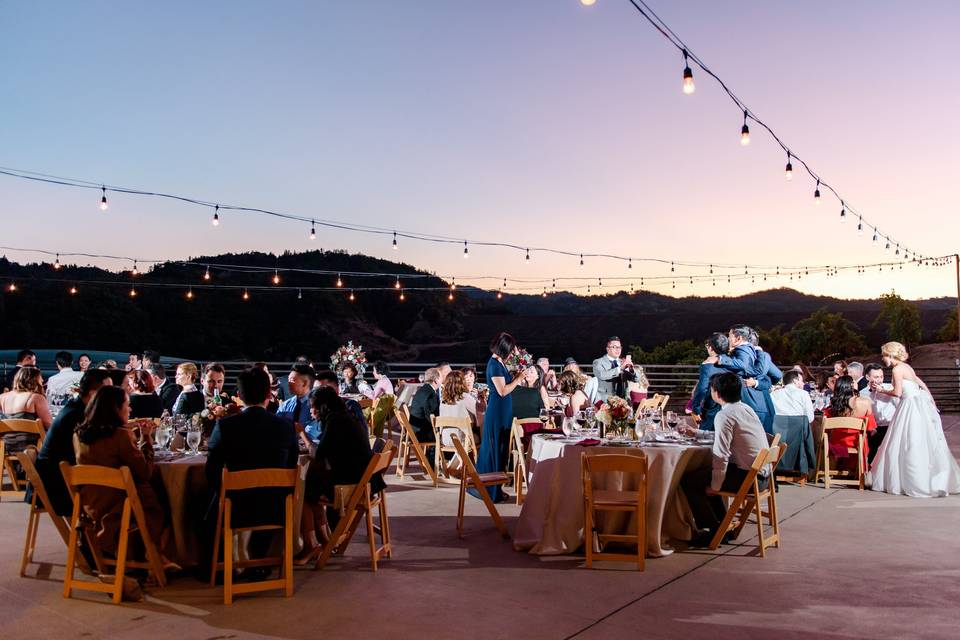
329,379
277,393
455,402
342,456
58,444
351,381
825,383
381,373
214,375
846,402
739,438
549,375
425,404
167,390
570,385
840,368
792,400
444,368
531,395
25,358
702,406
884,405
149,357
62,383
190,400
809,380
469,379
84,362
104,439
855,371
296,408
144,402
253,439
25,401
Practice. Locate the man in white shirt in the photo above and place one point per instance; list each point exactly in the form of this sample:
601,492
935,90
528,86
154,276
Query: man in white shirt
62,382
792,400
739,437
884,406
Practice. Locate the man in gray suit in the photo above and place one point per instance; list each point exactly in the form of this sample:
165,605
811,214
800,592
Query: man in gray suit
612,371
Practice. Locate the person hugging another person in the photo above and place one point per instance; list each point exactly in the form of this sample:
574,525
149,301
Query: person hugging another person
702,406
739,438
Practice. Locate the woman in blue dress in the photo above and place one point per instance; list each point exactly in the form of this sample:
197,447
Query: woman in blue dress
498,418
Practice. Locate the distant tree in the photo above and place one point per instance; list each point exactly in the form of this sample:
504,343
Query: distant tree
948,332
901,319
673,352
776,343
824,334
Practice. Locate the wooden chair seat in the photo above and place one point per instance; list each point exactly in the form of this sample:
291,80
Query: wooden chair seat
518,456
594,500
443,428
254,479
7,460
858,425
471,479
361,505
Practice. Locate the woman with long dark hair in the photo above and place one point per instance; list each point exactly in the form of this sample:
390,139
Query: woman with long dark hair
499,414
846,402
104,439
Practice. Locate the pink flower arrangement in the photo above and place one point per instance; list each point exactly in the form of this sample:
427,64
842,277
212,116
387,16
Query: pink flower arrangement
349,353
519,361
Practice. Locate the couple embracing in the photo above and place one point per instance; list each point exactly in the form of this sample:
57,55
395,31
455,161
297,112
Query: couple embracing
737,352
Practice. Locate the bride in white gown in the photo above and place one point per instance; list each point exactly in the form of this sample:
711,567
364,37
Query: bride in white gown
914,458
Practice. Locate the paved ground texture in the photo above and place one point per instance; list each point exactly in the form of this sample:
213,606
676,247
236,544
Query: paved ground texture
853,565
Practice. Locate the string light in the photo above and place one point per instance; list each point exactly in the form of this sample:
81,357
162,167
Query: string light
528,256
843,212
313,231
12,287
744,131
216,216
671,267
788,172
246,295
133,292
395,241
453,284
339,281
103,199
499,295
206,274
450,295
816,194
73,290
134,271
544,294
402,297
875,236
56,264
276,276
190,294
688,86
581,261
588,3
299,294
860,227
630,263
396,285
466,251
352,297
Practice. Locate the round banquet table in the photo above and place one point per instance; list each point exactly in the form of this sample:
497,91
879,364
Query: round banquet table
551,520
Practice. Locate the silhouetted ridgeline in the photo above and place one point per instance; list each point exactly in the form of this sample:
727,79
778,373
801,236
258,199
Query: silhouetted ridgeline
275,325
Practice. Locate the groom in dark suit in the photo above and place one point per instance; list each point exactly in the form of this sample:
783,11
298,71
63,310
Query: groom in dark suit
702,404
743,360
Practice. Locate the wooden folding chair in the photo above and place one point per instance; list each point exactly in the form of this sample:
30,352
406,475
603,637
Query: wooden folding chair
255,479
649,403
628,501
471,479
16,425
747,501
662,401
380,414
40,504
455,426
121,479
519,458
360,505
409,444
848,424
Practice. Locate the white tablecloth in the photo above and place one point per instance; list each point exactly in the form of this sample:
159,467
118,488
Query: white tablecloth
551,520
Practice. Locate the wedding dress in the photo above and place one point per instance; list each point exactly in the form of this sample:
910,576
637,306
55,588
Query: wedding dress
914,458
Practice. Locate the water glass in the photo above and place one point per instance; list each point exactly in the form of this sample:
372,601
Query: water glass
194,435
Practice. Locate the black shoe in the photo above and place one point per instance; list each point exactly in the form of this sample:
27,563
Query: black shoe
254,574
701,540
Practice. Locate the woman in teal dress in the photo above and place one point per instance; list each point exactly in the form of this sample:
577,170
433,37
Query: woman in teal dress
495,445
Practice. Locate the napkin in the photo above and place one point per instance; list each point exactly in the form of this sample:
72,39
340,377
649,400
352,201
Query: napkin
588,442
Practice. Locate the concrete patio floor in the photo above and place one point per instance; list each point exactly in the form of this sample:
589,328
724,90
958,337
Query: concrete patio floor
853,565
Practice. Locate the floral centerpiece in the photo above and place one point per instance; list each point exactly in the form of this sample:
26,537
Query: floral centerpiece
351,354
615,414
519,361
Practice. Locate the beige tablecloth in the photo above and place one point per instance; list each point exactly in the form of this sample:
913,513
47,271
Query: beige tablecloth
551,521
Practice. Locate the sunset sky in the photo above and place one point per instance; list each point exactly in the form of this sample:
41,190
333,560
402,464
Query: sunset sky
536,122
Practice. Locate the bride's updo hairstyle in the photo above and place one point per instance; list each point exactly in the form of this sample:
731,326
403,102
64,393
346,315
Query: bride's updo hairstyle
895,350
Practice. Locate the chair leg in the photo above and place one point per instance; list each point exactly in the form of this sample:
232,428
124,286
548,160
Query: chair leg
218,532
122,553
287,570
371,537
588,532
732,510
826,467
72,550
227,563
385,526
492,508
33,524
460,504
774,521
759,513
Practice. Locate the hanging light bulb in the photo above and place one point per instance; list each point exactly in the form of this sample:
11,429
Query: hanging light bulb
352,297
216,216
453,284
887,248
599,282
860,226
56,264
396,285
313,231
588,3
12,287
299,294
504,284
554,284
450,295
246,295
276,277
499,295
629,263
103,199
134,272
133,292
897,251
190,294
395,241
688,86
744,131
711,269
466,251
528,255
843,212
588,288
206,274
73,290
581,261
402,297
673,285
544,294
339,281
816,193
875,237
671,267
788,172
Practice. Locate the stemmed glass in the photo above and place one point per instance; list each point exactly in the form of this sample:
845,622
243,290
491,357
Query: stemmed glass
544,417
164,436
194,434
672,420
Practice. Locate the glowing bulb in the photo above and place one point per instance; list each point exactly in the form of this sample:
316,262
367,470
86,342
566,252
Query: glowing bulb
544,294
450,296
189,294
499,295
206,274
744,131
394,240
135,272
313,231
352,297
246,296
588,3
466,251
133,292
276,277
103,199
216,216
402,297
396,285
12,287
73,290
788,172
339,281
57,265
688,86
299,294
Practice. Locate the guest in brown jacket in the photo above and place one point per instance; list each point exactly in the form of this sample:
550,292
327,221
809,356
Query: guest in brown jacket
104,439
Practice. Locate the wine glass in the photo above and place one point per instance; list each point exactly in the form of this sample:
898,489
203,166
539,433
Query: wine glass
655,418
544,417
193,438
672,420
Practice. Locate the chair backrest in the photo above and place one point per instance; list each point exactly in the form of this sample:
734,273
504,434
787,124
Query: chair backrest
610,462
91,474
22,425
764,457
856,424
522,421
662,400
403,417
649,403
259,478
365,403
516,432
775,441
379,463
461,425
28,460
468,466
382,407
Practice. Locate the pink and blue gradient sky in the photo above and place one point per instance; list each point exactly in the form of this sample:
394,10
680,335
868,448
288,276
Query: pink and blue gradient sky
539,122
